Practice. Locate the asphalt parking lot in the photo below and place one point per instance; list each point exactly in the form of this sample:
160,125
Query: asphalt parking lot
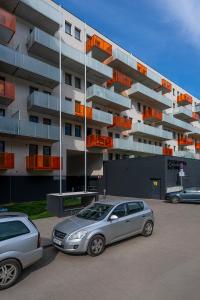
165,266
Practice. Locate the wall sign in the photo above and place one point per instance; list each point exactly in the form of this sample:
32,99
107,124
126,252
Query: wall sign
176,164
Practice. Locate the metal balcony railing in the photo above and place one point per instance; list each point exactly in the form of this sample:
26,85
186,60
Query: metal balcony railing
42,163
99,141
7,92
7,26
7,160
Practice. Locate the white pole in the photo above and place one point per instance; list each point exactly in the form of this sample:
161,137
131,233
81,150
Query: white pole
85,110
60,105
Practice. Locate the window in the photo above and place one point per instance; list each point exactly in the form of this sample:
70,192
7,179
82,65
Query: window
138,106
46,121
77,83
12,229
2,112
46,150
174,135
33,149
68,78
139,141
144,108
89,131
68,129
98,132
117,135
145,141
174,105
77,34
120,211
173,91
110,112
47,92
2,146
89,84
110,134
110,156
178,93
33,119
117,156
68,28
149,142
68,99
134,207
77,130
32,89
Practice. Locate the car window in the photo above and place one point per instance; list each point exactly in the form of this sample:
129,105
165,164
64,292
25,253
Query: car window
12,229
134,207
120,211
96,212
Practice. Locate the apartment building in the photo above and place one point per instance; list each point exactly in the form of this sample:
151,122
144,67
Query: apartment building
132,110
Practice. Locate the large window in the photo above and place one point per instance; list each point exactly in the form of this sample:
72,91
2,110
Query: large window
77,83
77,34
68,129
9,230
77,130
68,28
68,78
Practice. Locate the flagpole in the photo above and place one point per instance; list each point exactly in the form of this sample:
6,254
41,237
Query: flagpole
60,106
85,111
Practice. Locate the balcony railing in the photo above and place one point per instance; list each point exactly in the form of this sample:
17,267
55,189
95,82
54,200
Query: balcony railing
122,123
80,111
7,26
7,160
167,151
166,86
144,130
99,47
195,116
99,141
7,92
142,69
152,115
184,99
42,163
120,81
185,141
197,145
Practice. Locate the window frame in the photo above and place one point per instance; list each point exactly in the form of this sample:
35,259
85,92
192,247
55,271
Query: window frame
76,29
70,126
70,26
69,77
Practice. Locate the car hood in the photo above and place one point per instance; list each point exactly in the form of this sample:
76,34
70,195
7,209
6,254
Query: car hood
72,224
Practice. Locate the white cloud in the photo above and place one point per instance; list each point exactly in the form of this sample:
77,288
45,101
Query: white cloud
185,15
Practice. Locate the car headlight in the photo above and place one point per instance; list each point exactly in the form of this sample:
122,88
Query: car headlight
78,235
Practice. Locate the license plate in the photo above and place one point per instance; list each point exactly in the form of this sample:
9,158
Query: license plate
57,242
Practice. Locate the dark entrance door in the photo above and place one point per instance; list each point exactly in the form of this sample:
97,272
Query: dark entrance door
156,188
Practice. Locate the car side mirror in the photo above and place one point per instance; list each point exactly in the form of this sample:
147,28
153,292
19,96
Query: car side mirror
113,218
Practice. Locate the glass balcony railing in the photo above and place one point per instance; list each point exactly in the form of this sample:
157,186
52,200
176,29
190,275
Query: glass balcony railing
186,154
29,129
102,117
28,68
105,96
155,132
173,123
185,114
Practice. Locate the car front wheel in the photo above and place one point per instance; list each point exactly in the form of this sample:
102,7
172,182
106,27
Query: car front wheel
96,245
148,229
10,271
175,200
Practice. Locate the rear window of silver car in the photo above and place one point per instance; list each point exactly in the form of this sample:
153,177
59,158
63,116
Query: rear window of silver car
11,229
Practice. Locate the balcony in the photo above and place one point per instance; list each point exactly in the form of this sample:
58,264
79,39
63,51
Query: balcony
129,65
26,129
186,154
152,115
108,98
42,163
99,141
28,68
197,108
7,26
80,111
99,48
7,92
184,99
185,141
46,46
185,114
121,123
101,118
120,82
37,12
128,145
7,161
149,97
147,131
165,87
167,151
172,123
197,146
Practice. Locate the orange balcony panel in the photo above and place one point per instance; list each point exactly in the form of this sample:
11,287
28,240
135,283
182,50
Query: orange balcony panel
197,146
184,99
166,86
195,116
122,123
7,160
42,163
120,81
7,92
99,141
99,48
152,116
185,141
167,151
142,69
7,26
80,111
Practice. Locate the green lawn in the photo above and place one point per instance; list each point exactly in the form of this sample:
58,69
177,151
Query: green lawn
37,209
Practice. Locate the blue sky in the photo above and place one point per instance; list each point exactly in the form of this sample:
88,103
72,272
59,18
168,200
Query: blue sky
163,33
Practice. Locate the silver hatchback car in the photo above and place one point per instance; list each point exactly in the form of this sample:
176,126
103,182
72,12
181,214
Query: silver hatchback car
103,223
19,246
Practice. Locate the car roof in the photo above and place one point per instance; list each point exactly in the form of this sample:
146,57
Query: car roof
12,215
117,201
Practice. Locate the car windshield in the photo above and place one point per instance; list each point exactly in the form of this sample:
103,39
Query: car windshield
96,212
